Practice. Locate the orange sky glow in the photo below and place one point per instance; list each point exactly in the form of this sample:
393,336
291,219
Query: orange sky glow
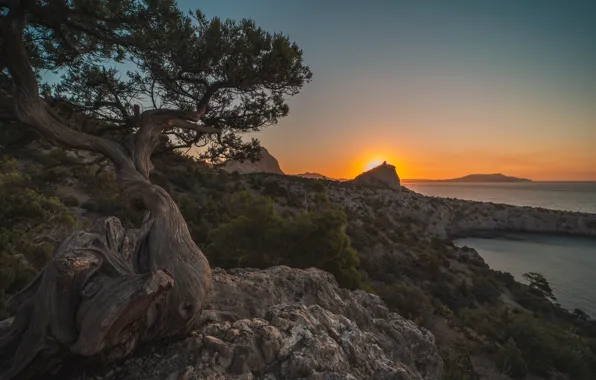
439,91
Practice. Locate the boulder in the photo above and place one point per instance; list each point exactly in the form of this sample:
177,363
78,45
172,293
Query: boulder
283,323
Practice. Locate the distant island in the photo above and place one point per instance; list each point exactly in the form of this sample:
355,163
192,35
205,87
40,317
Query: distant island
498,177
313,176
319,176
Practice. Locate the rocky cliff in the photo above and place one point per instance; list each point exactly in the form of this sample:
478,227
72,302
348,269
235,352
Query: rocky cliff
266,164
383,175
448,217
283,323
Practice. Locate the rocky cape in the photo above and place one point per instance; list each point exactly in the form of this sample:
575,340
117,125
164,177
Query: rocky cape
283,323
447,218
383,175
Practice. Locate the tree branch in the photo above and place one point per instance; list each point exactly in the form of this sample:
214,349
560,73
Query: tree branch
32,110
117,103
152,123
211,90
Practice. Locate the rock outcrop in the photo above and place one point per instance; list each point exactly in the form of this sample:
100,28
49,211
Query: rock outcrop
283,323
266,164
448,218
383,175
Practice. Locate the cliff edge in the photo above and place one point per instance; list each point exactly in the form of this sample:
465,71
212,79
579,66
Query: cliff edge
283,323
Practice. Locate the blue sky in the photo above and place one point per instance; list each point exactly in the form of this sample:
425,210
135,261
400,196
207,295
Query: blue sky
438,88
441,88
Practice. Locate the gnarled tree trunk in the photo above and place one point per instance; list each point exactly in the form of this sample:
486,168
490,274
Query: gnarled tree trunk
108,289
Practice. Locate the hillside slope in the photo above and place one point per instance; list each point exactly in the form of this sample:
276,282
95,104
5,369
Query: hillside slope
401,240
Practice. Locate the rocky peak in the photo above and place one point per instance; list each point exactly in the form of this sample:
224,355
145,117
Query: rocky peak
383,175
283,323
265,164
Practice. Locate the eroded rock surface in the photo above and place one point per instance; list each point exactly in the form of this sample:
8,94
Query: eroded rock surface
284,323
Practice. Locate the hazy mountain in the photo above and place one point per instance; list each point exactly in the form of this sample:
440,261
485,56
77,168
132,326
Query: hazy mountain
266,164
498,177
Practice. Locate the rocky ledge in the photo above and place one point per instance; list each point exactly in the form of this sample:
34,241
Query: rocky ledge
283,323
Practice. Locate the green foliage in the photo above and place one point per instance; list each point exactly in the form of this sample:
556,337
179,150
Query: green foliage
485,290
240,74
108,199
255,235
510,361
31,223
543,345
540,284
457,364
409,301
430,265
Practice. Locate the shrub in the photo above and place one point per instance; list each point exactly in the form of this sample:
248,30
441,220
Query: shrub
255,235
409,301
510,361
30,224
457,364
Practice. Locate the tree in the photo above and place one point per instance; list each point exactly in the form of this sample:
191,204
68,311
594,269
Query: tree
202,82
540,284
256,236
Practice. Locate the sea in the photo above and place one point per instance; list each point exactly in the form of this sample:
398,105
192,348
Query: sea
568,263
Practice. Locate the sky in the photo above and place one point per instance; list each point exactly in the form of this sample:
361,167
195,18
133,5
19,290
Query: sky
438,88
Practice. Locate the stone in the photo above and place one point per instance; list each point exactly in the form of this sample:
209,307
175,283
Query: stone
292,324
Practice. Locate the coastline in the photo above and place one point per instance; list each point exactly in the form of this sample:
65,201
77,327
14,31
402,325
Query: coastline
445,218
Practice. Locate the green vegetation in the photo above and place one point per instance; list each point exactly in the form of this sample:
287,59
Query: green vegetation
457,364
265,220
32,222
410,301
539,284
431,280
255,235
510,361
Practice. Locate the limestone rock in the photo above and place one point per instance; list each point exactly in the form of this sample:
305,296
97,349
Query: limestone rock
283,323
383,175
266,164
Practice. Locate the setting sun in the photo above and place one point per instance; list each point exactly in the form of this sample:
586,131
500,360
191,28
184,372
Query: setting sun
373,164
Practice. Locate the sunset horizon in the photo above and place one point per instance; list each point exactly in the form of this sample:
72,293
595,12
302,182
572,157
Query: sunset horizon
307,189
412,171
438,90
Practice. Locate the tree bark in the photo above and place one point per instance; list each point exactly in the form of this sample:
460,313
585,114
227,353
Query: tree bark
108,289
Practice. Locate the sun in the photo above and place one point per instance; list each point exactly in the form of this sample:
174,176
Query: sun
373,164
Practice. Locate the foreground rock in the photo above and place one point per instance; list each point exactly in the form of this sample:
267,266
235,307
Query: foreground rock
383,175
284,323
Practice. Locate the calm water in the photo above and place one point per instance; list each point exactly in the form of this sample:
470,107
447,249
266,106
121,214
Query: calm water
570,196
568,263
